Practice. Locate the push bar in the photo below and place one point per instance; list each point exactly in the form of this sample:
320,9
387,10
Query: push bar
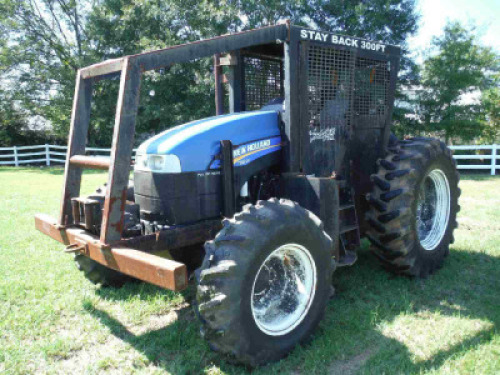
144,266
91,162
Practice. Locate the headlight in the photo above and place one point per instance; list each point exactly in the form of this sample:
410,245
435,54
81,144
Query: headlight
157,163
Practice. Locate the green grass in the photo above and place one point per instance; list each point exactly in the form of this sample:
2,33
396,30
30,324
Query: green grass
54,321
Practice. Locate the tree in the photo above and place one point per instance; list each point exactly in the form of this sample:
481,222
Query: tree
48,40
46,45
15,129
11,125
460,69
490,104
131,26
174,95
390,21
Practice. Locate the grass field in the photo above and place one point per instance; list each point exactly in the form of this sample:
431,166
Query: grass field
54,321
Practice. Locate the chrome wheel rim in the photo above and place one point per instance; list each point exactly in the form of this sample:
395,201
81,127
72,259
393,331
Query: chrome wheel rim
433,209
283,289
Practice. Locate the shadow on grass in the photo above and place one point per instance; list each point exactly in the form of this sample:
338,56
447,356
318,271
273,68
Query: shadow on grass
143,292
366,298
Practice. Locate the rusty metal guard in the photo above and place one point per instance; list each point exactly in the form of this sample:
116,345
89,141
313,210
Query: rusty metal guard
156,270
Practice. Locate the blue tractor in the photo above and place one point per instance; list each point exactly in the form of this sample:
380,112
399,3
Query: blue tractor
260,203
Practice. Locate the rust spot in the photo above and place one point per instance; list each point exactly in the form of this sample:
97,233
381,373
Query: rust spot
287,261
119,225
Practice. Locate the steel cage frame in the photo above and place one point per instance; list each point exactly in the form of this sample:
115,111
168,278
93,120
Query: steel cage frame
133,256
130,69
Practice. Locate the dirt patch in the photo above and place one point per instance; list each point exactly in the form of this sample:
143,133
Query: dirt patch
352,365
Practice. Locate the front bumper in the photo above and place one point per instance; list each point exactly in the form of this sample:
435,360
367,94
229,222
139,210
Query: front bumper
142,265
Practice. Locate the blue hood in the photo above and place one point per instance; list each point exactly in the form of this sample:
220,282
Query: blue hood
196,143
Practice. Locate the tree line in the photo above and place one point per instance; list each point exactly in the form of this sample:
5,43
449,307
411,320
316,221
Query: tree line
457,94
44,42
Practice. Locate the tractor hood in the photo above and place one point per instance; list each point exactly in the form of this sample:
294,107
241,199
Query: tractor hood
196,143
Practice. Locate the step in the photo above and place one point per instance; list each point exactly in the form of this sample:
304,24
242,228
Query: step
348,259
348,228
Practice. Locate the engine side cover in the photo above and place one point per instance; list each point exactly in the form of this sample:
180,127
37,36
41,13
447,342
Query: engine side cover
196,143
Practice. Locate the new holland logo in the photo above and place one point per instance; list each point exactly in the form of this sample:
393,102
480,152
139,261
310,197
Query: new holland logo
242,151
251,151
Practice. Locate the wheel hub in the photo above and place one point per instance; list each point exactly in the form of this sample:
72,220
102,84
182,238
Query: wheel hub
433,209
283,289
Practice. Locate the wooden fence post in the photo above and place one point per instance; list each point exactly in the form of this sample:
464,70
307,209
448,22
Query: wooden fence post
493,159
16,159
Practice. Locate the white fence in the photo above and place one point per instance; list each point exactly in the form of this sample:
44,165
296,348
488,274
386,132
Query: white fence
44,154
50,154
471,154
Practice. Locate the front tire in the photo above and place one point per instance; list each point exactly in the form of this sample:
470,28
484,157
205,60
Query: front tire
414,205
99,274
265,281
96,272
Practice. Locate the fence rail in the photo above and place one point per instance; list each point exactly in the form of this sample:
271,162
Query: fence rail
471,154
43,154
50,154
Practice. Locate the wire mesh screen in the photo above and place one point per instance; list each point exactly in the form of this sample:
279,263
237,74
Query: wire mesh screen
329,89
263,81
343,91
371,95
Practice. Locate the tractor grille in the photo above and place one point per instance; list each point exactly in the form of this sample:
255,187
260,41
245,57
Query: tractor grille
263,81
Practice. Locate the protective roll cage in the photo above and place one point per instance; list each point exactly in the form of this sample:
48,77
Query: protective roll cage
133,256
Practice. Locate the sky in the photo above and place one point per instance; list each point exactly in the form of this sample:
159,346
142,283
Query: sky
485,14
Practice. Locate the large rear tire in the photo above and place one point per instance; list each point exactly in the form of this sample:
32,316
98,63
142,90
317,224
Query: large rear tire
414,204
265,281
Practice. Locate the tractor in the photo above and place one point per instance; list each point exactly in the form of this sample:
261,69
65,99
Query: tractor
259,204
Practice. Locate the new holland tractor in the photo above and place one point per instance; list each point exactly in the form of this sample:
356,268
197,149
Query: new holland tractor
279,187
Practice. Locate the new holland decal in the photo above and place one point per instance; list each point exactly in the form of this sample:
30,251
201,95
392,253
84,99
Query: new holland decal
246,153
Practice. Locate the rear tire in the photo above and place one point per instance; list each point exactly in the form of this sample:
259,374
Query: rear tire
414,204
265,281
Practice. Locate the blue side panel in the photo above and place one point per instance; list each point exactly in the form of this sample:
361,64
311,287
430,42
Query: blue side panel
196,143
